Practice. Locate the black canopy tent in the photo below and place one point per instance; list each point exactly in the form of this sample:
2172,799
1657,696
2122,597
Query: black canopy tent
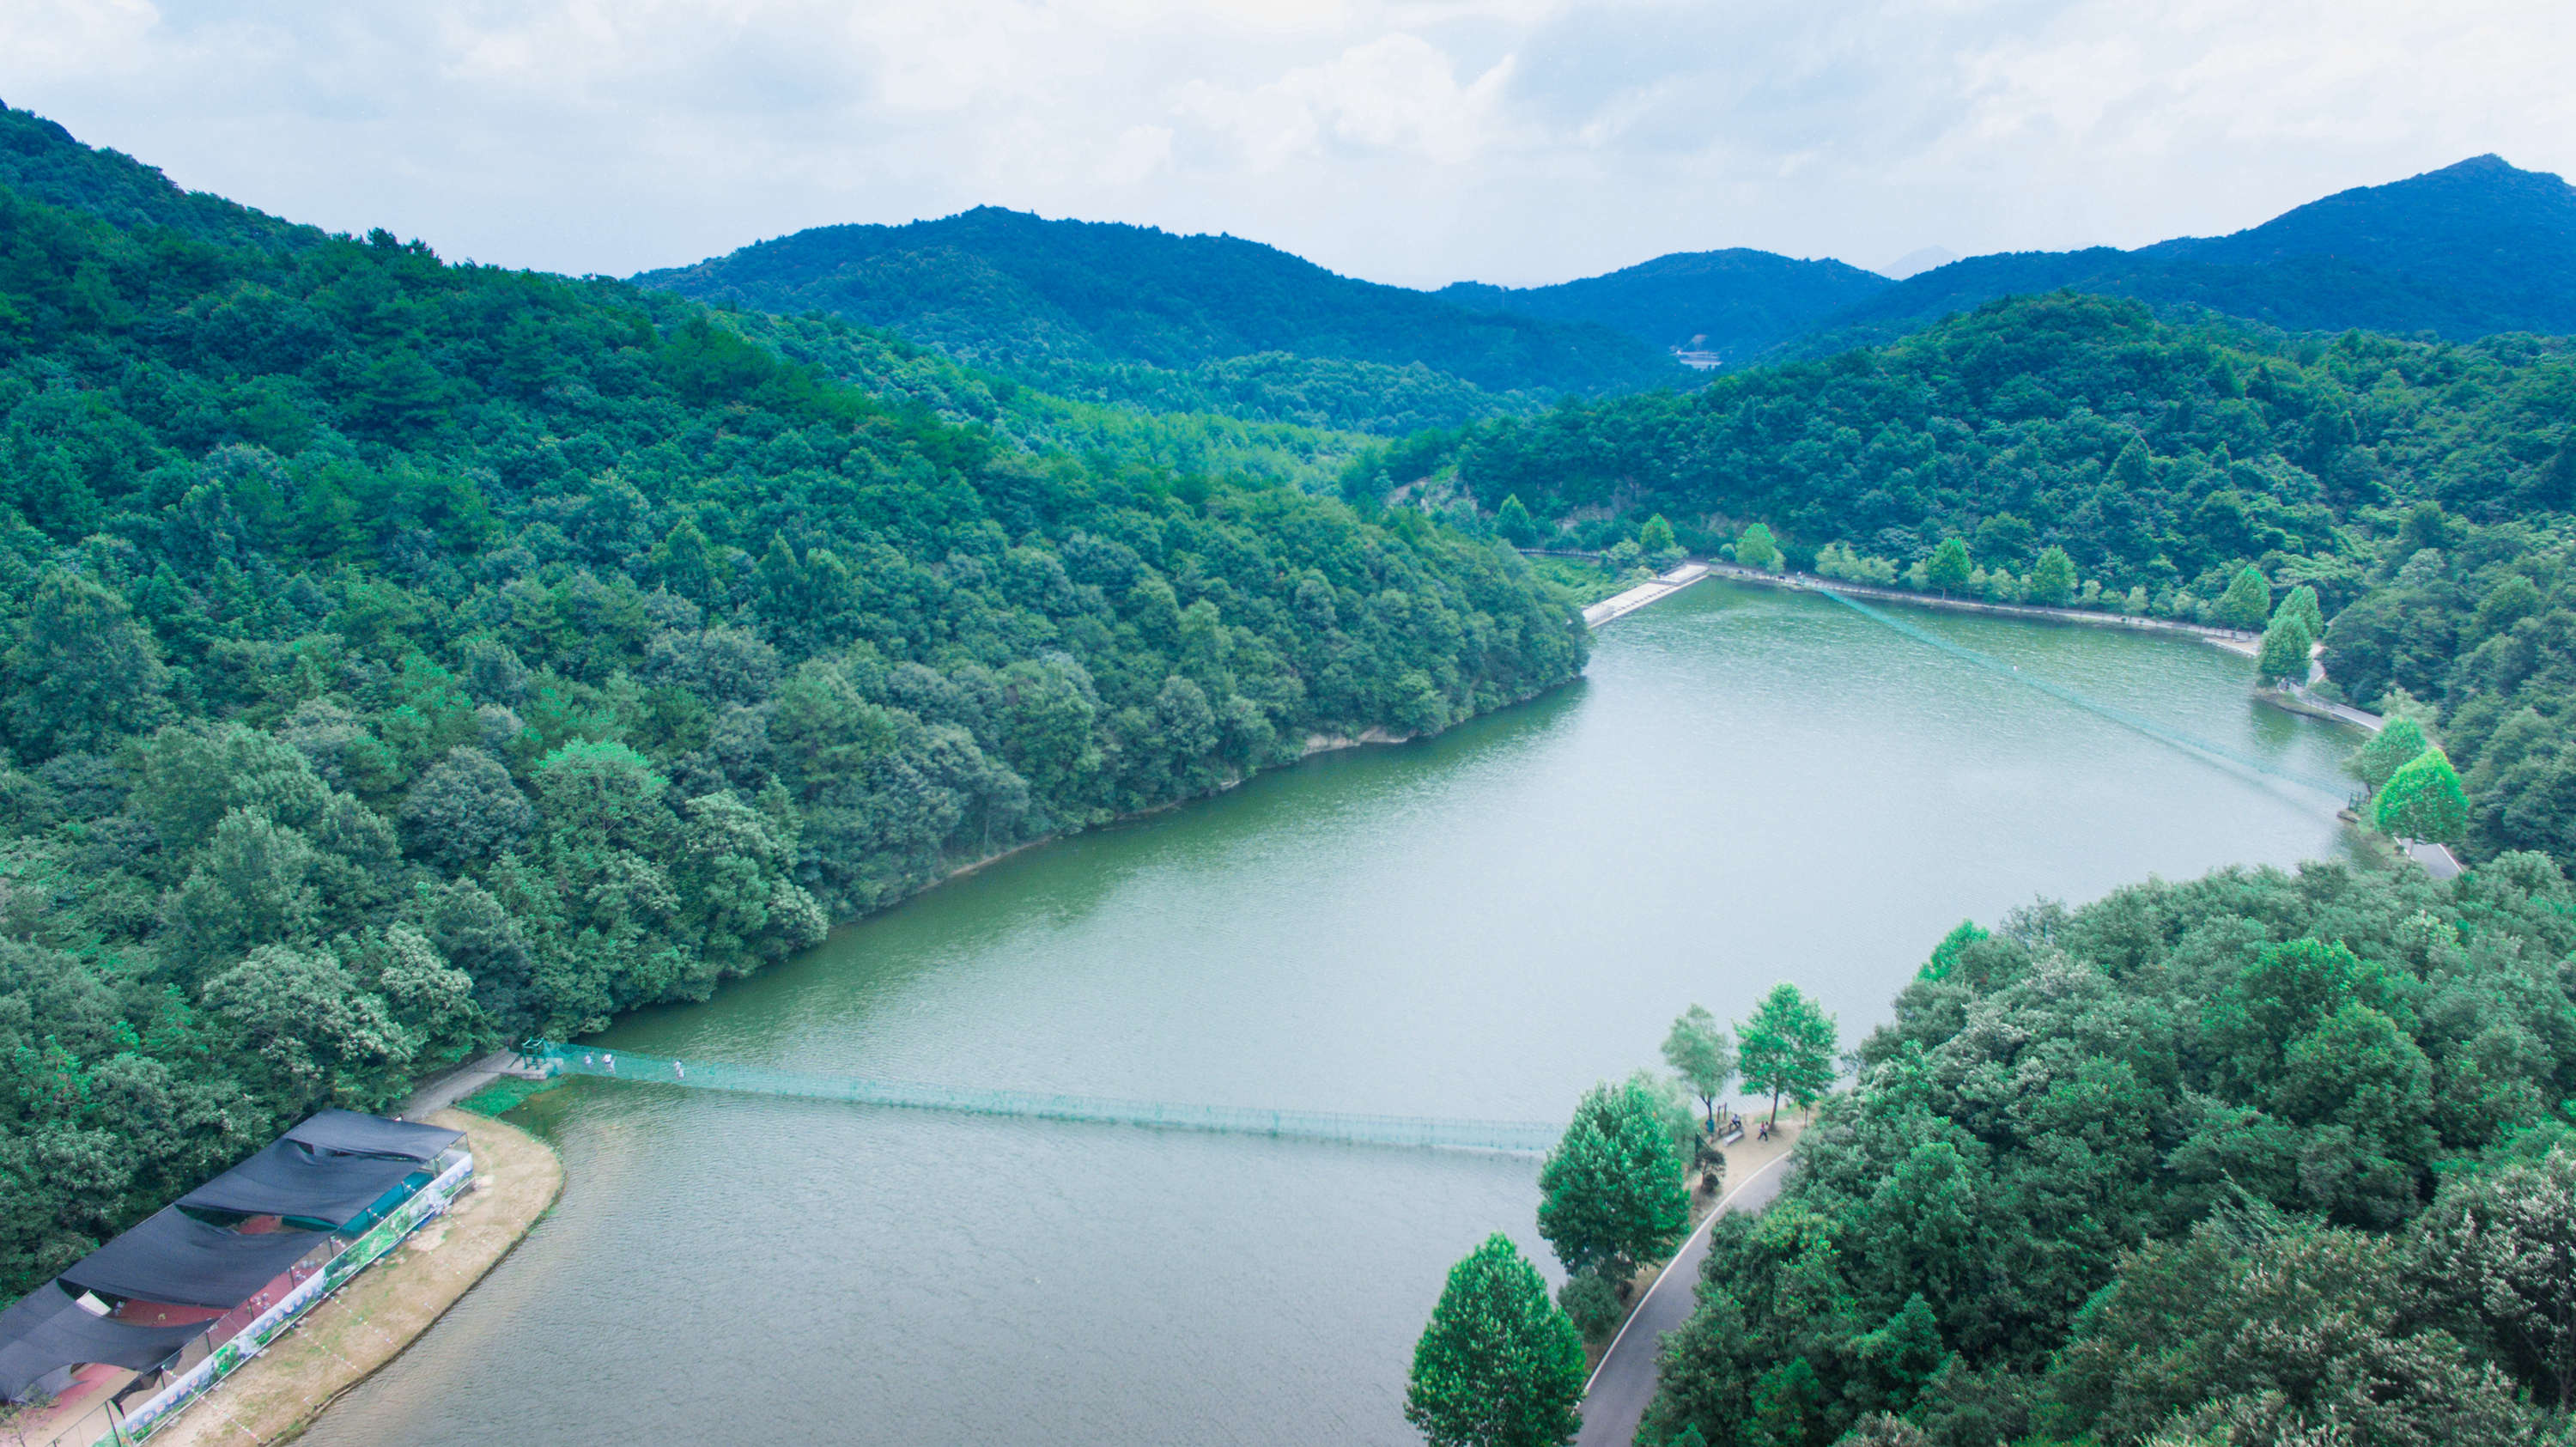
288,1180
174,1257
349,1133
47,1331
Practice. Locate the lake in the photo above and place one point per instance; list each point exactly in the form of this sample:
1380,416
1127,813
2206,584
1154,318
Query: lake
1751,786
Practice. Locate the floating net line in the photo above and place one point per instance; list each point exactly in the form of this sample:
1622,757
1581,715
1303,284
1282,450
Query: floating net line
1320,1125
2124,718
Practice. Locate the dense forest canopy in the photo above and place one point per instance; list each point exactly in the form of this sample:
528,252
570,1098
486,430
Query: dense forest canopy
403,657
2464,252
2260,1158
1212,323
1737,303
2421,488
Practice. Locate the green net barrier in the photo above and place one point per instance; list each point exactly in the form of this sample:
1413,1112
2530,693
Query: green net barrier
2338,788
1318,1125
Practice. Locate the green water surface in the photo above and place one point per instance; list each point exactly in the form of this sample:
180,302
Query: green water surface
1751,786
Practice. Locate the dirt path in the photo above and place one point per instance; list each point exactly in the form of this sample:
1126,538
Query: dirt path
376,1315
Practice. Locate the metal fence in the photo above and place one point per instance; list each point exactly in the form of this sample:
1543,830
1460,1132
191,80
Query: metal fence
1320,1125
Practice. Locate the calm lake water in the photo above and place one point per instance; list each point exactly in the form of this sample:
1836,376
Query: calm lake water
1752,786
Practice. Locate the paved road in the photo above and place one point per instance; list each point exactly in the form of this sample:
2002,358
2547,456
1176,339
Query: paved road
1624,1383
445,1089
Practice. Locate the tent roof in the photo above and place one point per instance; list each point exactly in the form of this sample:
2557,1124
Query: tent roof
178,1259
349,1132
288,1180
47,1330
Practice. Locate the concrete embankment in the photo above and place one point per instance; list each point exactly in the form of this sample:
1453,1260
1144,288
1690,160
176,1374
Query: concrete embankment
1620,605
341,1342
2234,639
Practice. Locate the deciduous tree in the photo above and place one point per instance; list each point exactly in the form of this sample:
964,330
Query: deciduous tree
2247,601
2422,800
1499,1365
1612,1190
1756,548
1788,1048
1700,1053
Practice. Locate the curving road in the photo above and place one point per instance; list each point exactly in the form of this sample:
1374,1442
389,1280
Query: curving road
1615,1400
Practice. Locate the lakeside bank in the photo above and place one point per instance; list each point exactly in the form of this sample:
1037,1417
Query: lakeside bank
369,1322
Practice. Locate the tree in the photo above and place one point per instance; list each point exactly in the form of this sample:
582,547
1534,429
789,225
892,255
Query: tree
82,671
1514,522
1655,540
1499,1365
1699,1052
2497,1252
2301,603
2283,658
323,1039
1613,1189
1949,567
2052,578
2396,744
2422,800
465,808
1788,1047
2247,601
2261,1328
1756,548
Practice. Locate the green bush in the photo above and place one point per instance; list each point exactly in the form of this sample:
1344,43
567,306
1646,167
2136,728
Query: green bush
1592,1303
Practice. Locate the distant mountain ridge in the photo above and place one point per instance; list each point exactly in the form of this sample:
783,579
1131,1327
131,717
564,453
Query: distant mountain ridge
1058,300
1735,303
2470,250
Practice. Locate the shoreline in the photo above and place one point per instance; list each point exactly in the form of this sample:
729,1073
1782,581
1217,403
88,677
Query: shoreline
376,1317
2235,640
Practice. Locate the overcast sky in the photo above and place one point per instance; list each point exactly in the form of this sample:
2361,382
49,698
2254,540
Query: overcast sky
1513,141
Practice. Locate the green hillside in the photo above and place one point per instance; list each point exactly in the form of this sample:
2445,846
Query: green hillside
2464,252
403,657
1736,303
2407,482
1132,314
2264,1157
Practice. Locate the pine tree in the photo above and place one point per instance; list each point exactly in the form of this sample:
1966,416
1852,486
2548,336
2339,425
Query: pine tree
1514,522
1499,1365
1950,567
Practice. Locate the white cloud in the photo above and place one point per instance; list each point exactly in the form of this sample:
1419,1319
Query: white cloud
1409,140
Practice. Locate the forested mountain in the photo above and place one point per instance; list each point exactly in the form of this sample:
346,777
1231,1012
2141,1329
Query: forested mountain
1736,303
1132,314
2464,252
2422,488
403,657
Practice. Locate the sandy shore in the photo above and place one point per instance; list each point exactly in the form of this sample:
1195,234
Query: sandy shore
371,1320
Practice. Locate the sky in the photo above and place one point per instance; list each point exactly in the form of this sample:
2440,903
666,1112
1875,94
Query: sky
1407,141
